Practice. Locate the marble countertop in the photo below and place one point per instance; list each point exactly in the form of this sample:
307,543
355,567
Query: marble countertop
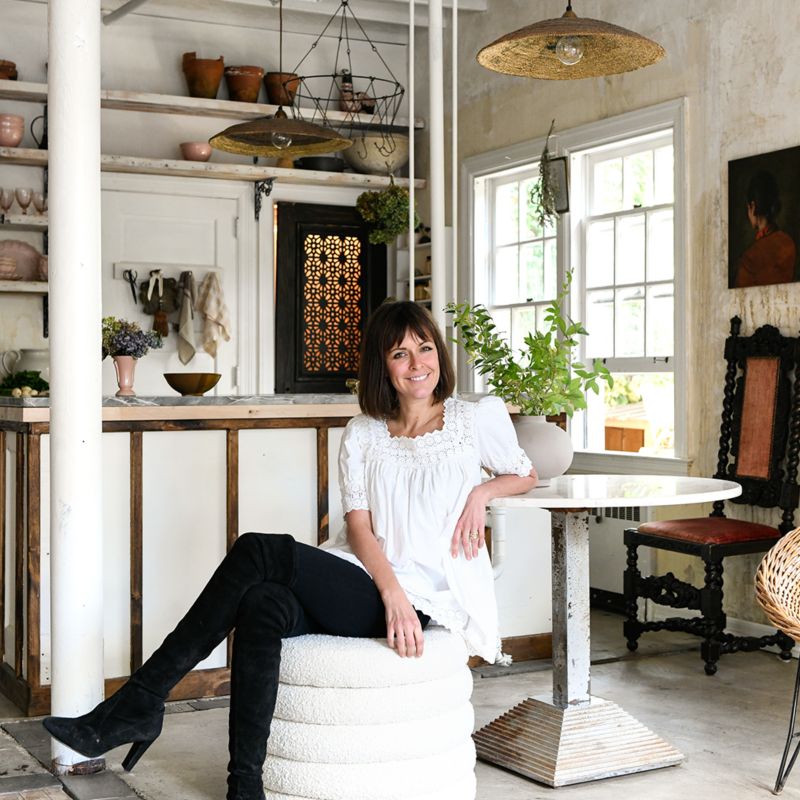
37,409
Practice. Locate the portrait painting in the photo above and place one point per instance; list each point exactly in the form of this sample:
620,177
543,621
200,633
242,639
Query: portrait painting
764,219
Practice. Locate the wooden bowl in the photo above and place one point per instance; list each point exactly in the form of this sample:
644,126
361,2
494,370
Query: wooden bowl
192,383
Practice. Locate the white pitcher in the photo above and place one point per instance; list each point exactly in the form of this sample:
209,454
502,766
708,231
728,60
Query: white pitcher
27,360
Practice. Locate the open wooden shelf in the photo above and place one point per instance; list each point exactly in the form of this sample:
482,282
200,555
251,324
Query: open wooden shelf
119,100
24,287
23,222
199,169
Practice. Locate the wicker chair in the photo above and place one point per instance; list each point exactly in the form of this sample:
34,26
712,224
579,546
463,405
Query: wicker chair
759,448
778,593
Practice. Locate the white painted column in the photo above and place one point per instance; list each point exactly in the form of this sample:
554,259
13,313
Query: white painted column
436,176
75,358
412,57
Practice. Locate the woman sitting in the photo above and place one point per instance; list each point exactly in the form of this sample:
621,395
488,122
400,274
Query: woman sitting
412,550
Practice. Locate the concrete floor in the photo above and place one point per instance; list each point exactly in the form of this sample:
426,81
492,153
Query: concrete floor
730,727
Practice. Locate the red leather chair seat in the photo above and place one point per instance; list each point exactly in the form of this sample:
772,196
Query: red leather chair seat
710,530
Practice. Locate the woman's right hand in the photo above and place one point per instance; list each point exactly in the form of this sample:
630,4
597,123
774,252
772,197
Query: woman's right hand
403,628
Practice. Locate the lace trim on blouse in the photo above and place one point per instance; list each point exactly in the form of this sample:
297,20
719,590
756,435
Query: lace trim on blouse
454,438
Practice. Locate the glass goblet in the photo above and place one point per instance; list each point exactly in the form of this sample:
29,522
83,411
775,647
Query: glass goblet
23,198
6,199
39,202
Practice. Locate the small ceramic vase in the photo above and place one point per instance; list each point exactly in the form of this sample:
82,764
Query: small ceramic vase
203,75
195,151
244,83
12,129
281,87
125,366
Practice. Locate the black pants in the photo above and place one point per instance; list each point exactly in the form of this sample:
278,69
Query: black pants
337,597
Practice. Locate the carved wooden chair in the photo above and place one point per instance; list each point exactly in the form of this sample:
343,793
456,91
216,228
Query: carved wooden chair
759,448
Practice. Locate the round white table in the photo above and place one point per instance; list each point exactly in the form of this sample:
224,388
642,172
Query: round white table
573,737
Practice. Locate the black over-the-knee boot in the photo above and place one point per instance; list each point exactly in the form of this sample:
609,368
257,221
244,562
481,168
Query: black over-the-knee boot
135,713
267,613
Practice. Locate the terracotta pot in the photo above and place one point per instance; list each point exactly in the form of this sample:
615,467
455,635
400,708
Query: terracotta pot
8,71
277,93
12,129
195,151
244,83
203,75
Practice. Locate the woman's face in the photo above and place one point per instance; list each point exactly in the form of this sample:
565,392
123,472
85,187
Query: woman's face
413,368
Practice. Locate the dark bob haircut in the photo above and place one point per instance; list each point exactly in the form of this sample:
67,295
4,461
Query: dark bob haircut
385,329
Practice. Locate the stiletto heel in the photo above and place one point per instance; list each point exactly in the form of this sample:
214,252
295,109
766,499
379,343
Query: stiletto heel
135,753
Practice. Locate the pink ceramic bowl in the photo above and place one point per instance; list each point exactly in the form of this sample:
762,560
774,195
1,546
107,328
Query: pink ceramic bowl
12,129
196,151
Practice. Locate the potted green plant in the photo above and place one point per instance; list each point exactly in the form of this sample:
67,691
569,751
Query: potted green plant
126,342
542,379
386,212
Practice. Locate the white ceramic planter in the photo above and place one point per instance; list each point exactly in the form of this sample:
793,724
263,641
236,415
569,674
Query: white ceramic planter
548,446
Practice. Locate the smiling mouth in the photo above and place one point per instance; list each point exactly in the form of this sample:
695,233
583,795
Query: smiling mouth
420,377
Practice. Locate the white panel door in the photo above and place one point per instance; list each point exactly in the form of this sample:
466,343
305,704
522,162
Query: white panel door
171,228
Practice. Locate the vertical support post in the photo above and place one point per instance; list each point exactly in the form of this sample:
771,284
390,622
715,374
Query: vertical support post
436,167
411,143
231,504
3,582
322,486
19,553
34,561
75,377
571,657
137,553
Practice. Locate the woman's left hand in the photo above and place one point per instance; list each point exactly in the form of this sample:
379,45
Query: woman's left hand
470,531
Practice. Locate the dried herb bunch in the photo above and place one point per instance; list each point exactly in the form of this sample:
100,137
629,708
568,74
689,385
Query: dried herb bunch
543,193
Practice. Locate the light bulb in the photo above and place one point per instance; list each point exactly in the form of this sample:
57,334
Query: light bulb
281,140
569,50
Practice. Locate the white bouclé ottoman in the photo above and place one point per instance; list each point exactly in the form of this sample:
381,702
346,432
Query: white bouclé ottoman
354,721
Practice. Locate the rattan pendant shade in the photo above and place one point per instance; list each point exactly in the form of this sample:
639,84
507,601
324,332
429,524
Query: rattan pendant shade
608,49
255,138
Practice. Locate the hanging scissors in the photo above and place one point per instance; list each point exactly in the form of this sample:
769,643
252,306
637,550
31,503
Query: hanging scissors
131,275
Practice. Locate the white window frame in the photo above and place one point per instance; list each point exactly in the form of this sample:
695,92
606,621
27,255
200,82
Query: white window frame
475,227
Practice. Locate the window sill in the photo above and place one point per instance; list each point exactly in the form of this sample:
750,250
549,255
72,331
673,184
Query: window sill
627,464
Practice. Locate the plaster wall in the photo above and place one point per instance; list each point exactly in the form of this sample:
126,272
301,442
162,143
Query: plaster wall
736,65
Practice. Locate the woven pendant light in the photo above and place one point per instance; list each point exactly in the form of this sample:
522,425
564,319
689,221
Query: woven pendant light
569,47
278,135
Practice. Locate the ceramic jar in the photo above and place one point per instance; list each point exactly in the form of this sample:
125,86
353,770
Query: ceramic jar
244,83
277,93
27,361
203,75
12,129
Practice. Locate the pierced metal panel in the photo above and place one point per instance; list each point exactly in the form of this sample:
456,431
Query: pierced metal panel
332,267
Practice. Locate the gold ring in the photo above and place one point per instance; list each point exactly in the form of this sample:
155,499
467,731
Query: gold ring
474,536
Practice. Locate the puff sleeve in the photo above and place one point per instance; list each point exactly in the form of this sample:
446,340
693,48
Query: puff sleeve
497,440
352,479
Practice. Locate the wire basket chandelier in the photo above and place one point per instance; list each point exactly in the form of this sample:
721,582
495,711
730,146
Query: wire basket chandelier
348,100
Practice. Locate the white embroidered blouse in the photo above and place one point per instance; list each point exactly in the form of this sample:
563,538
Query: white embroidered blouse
415,490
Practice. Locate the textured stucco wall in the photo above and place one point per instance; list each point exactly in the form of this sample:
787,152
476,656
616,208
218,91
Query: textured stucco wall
737,67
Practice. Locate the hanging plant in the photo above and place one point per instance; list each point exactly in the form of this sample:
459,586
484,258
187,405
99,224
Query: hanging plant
543,193
386,212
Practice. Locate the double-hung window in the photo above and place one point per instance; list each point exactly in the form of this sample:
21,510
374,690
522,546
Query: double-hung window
624,235
620,240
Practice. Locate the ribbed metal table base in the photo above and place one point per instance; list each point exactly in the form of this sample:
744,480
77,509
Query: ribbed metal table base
560,746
